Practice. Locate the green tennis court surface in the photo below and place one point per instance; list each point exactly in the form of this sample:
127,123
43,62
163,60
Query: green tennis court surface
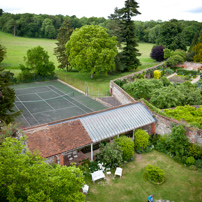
44,102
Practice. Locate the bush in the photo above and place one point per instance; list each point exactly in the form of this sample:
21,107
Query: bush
127,146
155,174
154,138
184,158
120,82
195,150
157,74
141,140
199,163
190,160
169,71
174,60
177,159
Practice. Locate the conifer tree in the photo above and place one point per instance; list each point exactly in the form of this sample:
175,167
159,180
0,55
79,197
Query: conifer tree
63,36
7,98
130,51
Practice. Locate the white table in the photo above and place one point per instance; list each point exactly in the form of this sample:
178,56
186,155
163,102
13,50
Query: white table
97,175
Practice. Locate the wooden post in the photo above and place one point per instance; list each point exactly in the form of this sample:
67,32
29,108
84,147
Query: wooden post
91,151
133,134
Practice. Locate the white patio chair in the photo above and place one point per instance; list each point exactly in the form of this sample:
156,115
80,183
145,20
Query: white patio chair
108,171
85,189
118,172
101,166
75,154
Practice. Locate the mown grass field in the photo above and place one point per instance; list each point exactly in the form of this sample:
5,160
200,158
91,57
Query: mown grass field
181,185
99,85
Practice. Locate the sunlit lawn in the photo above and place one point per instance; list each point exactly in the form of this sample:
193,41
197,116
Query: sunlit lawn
182,184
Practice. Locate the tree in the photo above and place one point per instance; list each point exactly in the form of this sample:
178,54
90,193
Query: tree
198,49
37,60
171,35
90,49
26,177
127,146
2,53
130,51
7,98
157,53
63,36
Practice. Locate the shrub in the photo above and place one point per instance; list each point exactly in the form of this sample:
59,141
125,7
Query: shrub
177,159
154,138
110,155
184,158
155,174
120,82
169,71
190,160
127,146
199,163
165,81
157,74
141,140
195,150
174,60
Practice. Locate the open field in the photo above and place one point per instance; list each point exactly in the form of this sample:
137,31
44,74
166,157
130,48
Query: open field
99,85
181,183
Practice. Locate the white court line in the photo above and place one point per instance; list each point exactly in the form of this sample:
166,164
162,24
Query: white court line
34,93
53,110
31,87
73,99
45,101
27,110
22,115
66,99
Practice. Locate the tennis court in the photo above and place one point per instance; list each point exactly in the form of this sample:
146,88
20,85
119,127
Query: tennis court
44,102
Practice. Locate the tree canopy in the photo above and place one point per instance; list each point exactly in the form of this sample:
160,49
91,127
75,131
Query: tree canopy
171,35
130,51
7,98
2,53
26,177
63,36
37,60
90,49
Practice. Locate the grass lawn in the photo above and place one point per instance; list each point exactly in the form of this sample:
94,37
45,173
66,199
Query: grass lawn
182,184
98,86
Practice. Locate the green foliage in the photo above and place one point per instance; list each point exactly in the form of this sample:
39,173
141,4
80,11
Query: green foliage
157,74
9,130
188,113
142,88
190,160
37,61
198,49
165,81
90,49
141,140
110,155
63,36
195,150
130,51
120,82
174,60
127,146
7,98
168,53
169,71
31,179
171,35
182,71
199,163
2,53
155,174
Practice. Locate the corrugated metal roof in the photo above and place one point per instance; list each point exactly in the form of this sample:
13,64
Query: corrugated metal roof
107,124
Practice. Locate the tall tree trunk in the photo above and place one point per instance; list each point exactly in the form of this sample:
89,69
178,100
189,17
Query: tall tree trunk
91,76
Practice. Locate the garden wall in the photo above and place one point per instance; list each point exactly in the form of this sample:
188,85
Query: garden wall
190,65
164,126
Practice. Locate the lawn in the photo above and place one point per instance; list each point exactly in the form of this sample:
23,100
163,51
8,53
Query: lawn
181,183
98,86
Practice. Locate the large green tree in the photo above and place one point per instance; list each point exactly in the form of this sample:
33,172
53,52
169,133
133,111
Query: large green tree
2,53
26,177
171,35
130,51
63,36
37,60
7,98
90,49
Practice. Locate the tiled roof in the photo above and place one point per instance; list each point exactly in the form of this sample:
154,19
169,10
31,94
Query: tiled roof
55,139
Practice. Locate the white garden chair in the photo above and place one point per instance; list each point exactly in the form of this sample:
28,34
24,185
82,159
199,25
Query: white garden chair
118,172
85,189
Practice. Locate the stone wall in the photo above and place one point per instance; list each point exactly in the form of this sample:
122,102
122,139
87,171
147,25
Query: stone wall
120,94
